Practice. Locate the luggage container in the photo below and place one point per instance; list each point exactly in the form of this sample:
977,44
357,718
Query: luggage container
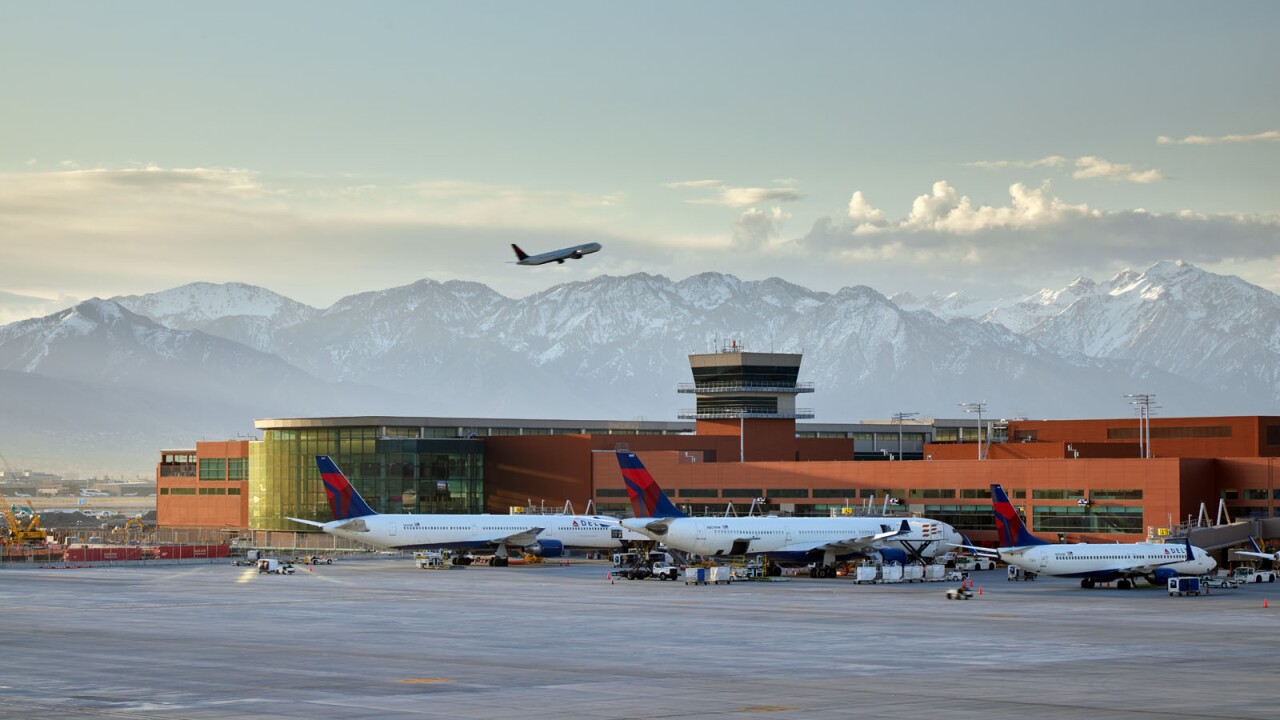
1180,586
719,574
695,576
866,574
891,574
913,573
935,573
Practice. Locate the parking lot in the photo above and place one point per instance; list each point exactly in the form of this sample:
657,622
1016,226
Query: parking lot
380,638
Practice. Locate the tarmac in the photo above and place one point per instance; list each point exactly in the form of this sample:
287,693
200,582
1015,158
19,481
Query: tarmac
378,638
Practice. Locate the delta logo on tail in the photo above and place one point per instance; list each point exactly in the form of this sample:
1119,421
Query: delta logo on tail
345,502
647,499
1008,524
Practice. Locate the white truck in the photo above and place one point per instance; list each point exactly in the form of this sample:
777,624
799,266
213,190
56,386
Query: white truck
272,565
969,563
250,558
664,570
1250,574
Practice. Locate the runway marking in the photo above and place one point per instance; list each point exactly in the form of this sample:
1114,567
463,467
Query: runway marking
768,708
426,681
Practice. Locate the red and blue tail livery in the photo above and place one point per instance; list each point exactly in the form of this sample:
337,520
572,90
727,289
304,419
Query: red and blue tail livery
647,499
1008,524
343,498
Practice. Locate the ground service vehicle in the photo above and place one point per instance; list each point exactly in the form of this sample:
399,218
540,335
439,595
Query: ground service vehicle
975,563
272,565
1184,585
1250,574
250,558
665,571
960,593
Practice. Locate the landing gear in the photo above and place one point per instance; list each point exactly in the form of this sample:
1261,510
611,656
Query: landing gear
1124,584
500,562
820,571
1087,583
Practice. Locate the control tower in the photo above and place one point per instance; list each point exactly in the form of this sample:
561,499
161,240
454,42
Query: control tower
748,393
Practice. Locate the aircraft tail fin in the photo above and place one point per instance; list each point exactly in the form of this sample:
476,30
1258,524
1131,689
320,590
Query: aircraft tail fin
647,498
1012,532
345,502
520,254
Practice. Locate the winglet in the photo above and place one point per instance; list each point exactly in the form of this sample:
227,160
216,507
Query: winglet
520,254
905,529
1008,524
1254,543
345,502
1191,556
647,498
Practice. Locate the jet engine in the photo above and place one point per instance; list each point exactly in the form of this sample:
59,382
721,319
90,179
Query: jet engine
1160,576
892,555
546,548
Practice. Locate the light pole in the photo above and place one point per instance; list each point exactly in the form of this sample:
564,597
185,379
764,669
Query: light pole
1143,401
977,407
900,416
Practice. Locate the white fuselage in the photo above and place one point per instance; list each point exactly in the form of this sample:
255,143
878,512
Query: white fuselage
571,253
799,536
477,531
1106,562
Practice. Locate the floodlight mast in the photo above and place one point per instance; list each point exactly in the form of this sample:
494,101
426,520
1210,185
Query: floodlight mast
900,416
1143,401
977,407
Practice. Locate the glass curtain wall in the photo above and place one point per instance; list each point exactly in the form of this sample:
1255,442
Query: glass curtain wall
392,474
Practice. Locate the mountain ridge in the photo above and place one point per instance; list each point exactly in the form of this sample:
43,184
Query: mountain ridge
615,347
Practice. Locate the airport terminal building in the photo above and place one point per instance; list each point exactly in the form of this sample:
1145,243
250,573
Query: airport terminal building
742,443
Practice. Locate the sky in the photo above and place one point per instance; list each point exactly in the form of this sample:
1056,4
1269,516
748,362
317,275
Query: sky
323,149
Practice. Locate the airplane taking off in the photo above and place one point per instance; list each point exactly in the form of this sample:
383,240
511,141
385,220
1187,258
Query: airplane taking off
559,256
1091,562
822,541
541,535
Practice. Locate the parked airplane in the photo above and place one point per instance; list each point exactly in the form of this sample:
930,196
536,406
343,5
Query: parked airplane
93,493
1258,553
1091,562
542,535
559,256
822,541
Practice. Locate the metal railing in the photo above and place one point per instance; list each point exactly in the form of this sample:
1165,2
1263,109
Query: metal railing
744,386
745,413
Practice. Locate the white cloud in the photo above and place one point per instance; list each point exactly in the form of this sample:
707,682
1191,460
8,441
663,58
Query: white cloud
694,184
1054,161
1036,236
862,212
1095,167
756,229
1268,136
1087,167
737,197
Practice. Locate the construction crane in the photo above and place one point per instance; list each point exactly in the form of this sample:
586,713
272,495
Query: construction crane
32,533
29,534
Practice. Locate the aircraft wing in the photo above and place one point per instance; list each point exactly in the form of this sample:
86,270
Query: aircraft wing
522,538
1148,568
981,551
1265,556
312,523
858,542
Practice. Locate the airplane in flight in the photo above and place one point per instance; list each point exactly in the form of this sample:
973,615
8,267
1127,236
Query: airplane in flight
821,541
541,535
558,256
1091,562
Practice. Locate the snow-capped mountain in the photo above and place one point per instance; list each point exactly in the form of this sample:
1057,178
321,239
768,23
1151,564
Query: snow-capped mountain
204,360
